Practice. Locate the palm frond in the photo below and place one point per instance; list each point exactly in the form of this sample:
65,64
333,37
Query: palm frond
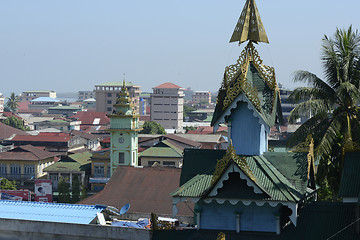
312,80
310,107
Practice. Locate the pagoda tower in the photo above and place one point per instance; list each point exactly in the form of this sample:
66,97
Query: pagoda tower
124,127
248,99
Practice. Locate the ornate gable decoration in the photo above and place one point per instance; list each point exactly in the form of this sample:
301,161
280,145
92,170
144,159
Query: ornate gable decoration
224,162
235,81
307,146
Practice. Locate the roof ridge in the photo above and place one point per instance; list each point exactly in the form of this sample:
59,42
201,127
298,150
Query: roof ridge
276,176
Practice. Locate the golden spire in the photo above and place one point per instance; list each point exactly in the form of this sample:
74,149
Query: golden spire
249,26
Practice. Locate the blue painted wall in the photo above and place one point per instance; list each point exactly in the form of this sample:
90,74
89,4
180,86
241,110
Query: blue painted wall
223,217
248,135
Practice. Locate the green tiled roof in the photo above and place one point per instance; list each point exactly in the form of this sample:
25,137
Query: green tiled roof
199,161
81,158
64,167
270,106
194,187
281,175
350,178
160,152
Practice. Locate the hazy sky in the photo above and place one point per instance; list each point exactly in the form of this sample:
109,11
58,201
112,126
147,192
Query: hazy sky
71,45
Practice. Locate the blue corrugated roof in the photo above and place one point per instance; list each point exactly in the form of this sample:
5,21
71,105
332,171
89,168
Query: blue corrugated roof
49,212
44,99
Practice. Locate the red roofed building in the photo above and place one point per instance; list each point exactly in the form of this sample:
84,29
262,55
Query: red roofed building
53,142
7,132
146,189
167,101
209,130
91,118
25,162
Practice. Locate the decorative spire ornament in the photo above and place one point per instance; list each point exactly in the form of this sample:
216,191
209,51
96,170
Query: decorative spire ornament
249,26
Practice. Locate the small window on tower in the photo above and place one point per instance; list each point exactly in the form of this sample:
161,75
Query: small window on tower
121,158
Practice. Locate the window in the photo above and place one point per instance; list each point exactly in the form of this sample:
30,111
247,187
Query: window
121,158
29,169
109,109
15,170
3,170
109,94
109,101
99,171
168,163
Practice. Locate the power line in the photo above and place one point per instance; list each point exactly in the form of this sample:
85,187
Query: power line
343,229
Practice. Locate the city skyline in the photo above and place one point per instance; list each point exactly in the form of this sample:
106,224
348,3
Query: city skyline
72,46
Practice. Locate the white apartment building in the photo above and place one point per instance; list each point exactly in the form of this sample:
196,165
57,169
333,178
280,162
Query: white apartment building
27,96
201,97
167,102
107,93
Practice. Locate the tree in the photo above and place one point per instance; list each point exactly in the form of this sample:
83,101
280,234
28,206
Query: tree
152,127
64,193
16,123
75,189
332,105
7,184
84,192
12,102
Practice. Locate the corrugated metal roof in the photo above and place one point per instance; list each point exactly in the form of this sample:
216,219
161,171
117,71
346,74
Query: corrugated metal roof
350,178
64,167
268,175
194,187
82,158
160,152
49,212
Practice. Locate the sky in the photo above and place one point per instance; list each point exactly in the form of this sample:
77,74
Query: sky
72,45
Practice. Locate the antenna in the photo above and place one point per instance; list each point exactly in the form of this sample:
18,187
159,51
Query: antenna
124,208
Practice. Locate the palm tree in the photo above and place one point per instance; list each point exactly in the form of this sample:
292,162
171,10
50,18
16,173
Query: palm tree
12,103
332,103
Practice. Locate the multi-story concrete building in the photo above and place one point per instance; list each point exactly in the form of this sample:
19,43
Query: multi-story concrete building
2,102
201,97
167,102
188,94
83,95
107,93
27,96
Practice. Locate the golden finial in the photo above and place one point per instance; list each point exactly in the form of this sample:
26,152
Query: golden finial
249,26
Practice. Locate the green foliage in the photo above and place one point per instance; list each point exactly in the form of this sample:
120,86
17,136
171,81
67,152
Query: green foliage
7,184
63,188
75,188
160,225
16,123
12,103
333,105
152,127
190,128
84,192
188,109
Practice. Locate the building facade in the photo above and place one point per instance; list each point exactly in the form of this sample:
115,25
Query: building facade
27,96
83,95
124,127
167,102
107,93
201,97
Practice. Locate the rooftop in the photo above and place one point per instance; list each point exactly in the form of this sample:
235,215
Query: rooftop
26,153
49,212
168,85
115,84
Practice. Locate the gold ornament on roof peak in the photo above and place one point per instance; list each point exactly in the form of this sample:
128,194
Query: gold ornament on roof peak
249,26
231,155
